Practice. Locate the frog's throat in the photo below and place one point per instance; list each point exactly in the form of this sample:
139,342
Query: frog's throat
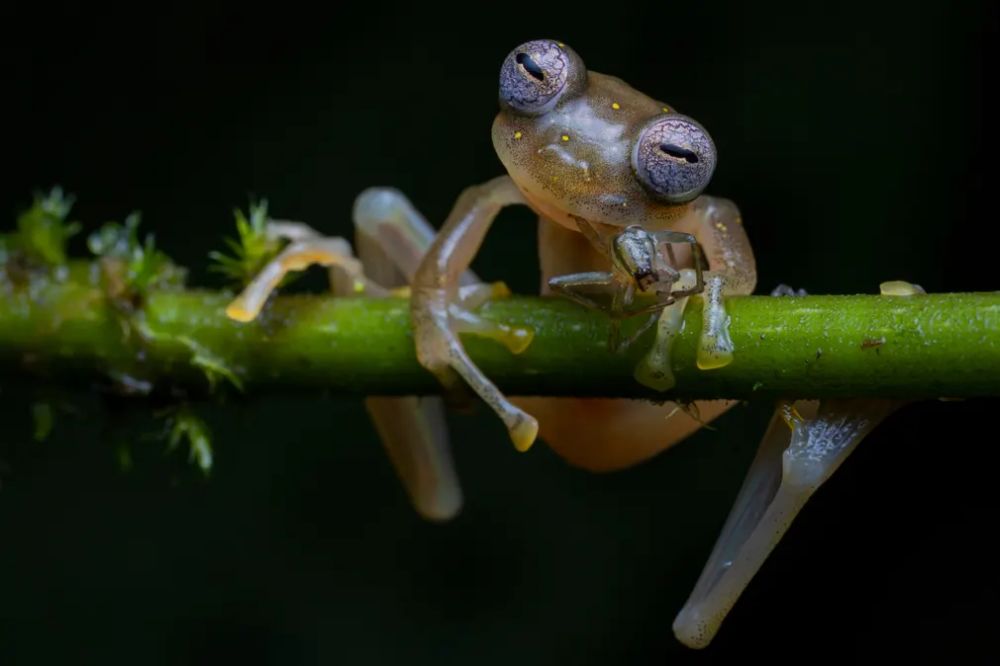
540,204
548,211
561,217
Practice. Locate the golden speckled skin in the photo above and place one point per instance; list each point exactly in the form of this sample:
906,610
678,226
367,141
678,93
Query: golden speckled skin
577,157
568,150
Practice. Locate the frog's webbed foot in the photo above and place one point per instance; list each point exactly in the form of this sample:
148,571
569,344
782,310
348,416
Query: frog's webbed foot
804,445
464,320
306,248
439,313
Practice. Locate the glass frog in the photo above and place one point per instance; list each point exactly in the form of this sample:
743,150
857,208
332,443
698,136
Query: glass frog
616,178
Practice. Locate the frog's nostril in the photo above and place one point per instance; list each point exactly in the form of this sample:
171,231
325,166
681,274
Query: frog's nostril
530,66
679,153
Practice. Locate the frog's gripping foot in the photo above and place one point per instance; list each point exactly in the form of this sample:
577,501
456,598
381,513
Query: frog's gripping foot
440,351
331,252
515,338
715,348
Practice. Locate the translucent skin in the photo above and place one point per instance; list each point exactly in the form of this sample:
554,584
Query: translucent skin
575,159
571,150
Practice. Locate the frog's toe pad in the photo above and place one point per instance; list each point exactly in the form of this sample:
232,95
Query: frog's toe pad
237,311
524,432
714,351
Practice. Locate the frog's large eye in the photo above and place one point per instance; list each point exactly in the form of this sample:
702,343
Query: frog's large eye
536,74
674,158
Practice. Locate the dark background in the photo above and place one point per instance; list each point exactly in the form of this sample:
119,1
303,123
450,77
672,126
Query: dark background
856,139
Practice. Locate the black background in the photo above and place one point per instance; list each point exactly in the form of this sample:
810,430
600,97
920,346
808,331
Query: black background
858,142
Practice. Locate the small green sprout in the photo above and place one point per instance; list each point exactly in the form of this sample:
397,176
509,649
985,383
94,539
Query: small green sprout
251,250
185,424
133,266
212,364
43,230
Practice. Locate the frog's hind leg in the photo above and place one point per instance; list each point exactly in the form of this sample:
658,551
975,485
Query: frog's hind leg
306,248
435,306
803,446
392,237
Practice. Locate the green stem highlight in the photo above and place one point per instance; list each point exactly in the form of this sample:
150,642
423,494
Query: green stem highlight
939,345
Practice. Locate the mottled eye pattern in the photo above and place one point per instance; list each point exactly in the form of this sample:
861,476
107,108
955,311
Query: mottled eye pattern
536,74
674,158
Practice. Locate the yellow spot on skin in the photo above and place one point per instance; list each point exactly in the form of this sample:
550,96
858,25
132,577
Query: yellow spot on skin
517,135
721,227
615,105
565,137
666,109
561,45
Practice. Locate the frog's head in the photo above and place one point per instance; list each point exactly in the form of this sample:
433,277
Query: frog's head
585,144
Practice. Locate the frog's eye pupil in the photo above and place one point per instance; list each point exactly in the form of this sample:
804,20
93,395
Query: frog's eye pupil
673,158
537,74
530,66
677,152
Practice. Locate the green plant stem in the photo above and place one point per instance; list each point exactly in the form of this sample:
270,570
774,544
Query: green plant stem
945,345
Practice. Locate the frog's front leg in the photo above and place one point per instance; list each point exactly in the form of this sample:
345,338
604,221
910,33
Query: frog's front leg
438,316
731,271
717,225
583,287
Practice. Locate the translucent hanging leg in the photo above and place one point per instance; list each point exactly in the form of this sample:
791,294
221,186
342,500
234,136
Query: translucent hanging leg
392,236
804,445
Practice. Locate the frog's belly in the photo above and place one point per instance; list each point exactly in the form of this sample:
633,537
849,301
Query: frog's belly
603,434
